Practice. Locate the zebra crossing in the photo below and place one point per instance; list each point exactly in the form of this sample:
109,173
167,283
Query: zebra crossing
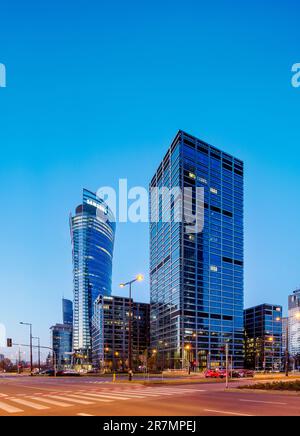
44,401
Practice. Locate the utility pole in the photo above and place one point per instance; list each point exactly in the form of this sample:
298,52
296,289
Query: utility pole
287,349
30,342
39,351
227,361
138,278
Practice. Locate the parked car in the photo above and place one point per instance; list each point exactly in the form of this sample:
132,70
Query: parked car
222,373
215,373
242,373
49,372
67,373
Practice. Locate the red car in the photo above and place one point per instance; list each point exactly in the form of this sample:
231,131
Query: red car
215,373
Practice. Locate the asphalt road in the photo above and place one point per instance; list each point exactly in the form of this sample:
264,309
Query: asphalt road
87,396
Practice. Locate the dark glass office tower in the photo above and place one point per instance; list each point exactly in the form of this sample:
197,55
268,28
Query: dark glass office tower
92,232
263,337
62,343
110,332
67,309
197,279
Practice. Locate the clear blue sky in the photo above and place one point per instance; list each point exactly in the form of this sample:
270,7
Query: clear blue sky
96,91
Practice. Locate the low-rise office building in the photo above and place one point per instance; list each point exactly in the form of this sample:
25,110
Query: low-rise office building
110,332
263,337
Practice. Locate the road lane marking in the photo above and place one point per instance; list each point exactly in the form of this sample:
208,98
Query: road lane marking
111,397
3,395
84,414
226,413
53,402
29,404
9,409
72,400
131,394
264,402
89,398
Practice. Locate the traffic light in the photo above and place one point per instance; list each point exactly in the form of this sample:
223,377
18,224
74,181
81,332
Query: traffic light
9,342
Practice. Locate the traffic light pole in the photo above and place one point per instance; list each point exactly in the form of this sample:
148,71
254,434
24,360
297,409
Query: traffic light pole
44,348
227,366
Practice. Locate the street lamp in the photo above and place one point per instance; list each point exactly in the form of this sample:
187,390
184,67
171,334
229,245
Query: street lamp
31,362
138,278
39,351
188,349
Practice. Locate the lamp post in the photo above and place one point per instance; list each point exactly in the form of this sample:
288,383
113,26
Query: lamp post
30,329
39,351
188,349
138,278
287,349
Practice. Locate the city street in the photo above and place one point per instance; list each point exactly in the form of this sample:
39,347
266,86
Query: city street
86,396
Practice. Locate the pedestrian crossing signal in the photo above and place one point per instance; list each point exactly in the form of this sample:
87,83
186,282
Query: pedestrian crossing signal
9,342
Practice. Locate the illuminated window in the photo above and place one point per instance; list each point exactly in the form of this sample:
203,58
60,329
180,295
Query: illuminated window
213,190
214,268
192,176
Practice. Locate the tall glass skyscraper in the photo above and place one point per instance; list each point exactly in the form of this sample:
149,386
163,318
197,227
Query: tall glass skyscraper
196,279
92,232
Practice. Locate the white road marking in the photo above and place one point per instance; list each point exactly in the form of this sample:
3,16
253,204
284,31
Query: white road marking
3,395
53,402
264,402
89,398
84,414
111,397
72,400
9,409
177,391
131,394
224,412
29,404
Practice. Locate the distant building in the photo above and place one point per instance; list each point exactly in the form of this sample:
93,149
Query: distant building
92,233
263,337
67,309
62,343
294,324
110,332
1,357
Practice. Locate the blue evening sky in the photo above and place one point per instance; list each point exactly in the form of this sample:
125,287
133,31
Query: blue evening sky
96,91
